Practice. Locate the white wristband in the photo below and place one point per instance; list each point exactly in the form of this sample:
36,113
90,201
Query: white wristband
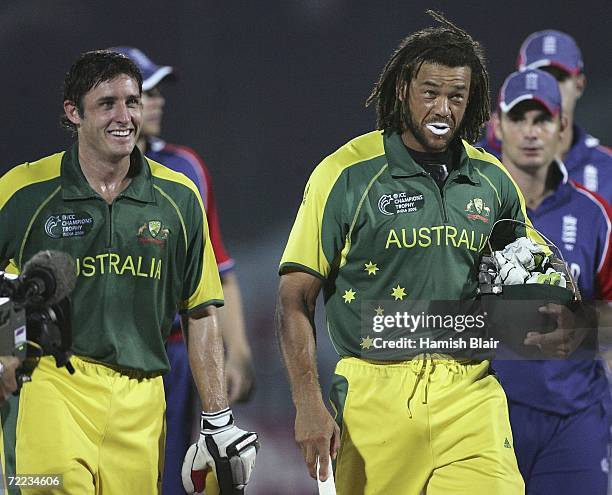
216,422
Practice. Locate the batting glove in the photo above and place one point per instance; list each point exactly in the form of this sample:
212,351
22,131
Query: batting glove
223,447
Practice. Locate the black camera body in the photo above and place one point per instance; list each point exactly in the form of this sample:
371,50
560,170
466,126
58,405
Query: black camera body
32,332
35,312
13,334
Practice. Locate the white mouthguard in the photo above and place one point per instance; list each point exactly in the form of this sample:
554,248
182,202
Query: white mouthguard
439,129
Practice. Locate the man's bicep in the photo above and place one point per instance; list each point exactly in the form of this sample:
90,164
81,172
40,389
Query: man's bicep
198,314
299,288
198,319
295,309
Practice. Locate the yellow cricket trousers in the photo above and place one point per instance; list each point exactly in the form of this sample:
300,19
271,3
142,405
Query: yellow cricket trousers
430,425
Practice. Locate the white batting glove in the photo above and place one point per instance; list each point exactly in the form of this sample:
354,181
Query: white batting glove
223,447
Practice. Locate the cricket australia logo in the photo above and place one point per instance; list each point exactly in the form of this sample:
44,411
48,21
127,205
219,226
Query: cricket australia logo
153,232
478,210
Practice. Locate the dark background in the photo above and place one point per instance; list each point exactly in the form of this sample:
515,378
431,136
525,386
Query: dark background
266,89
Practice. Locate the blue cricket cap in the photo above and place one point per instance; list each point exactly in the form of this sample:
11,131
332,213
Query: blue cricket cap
550,48
152,74
533,84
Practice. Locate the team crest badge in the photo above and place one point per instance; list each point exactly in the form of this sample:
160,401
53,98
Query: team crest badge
478,210
154,227
153,232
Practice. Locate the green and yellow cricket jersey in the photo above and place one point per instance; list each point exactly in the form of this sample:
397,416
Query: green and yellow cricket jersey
139,260
375,226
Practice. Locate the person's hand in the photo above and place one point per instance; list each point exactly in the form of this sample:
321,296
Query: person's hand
318,436
240,378
226,449
8,382
564,340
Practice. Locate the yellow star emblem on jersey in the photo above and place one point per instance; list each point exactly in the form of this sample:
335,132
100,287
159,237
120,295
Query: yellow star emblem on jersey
349,295
367,342
398,293
379,311
371,268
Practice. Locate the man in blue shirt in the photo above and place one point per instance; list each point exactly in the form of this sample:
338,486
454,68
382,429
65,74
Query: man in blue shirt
559,410
586,160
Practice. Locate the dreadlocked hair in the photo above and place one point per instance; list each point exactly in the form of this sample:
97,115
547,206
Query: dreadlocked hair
446,45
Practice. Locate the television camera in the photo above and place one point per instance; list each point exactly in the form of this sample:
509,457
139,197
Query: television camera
35,312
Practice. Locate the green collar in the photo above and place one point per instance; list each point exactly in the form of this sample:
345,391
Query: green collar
75,185
401,163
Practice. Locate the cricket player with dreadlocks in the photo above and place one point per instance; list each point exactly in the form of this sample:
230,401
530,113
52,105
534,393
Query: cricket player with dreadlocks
428,423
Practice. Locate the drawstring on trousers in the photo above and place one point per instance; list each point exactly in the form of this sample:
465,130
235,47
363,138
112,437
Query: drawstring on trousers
426,367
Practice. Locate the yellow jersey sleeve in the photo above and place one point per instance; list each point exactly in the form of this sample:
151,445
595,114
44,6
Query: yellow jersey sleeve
319,232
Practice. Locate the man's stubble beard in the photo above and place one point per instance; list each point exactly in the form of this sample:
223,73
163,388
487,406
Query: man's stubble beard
419,134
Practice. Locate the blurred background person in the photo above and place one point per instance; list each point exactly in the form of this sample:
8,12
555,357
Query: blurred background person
586,160
559,409
178,383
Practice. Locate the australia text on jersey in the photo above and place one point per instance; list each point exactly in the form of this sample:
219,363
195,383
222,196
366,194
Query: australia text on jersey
113,264
436,235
